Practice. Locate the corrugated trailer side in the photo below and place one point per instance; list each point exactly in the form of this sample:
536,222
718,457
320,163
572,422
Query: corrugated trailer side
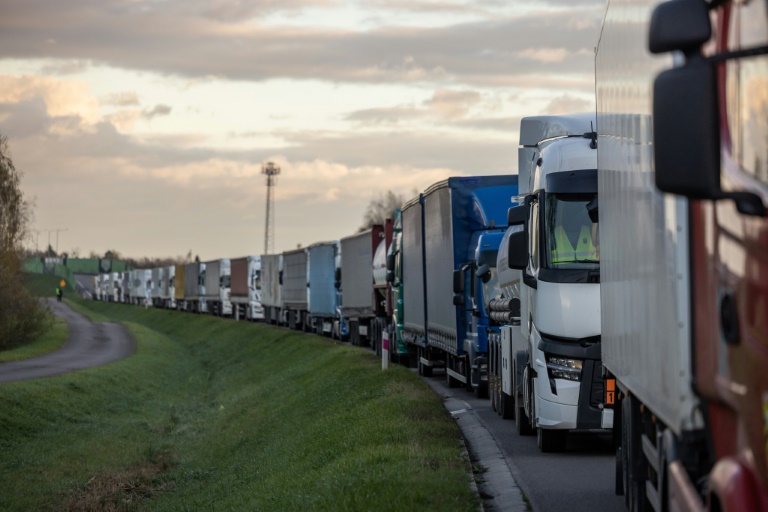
414,315
295,288
295,279
212,284
644,256
271,290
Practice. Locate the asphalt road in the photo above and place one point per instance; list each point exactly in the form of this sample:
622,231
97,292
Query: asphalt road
89,344
579,479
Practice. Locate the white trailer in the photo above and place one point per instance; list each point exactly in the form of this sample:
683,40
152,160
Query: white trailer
271,288
217,287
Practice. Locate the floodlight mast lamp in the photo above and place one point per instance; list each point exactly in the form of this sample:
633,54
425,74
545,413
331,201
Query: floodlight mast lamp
271,171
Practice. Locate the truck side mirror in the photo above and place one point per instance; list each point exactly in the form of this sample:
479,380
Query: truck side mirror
686,119
484,272
458,281
593,210
458,300
391,262
517,251
517,215
676,25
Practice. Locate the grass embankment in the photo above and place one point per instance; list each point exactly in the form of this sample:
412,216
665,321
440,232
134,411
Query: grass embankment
44,285
211,414
51,340
40,285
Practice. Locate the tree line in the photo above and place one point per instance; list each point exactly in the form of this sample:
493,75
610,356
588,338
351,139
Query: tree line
22,317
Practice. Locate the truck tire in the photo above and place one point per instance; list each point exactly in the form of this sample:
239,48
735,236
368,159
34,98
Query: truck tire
507,406
551,441
494,392
633,458
449,380
481,390
522,423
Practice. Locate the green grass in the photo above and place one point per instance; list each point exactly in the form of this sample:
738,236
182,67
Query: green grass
52,340
212,414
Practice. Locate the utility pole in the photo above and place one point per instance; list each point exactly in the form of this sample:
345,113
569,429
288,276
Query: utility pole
57,230
271,171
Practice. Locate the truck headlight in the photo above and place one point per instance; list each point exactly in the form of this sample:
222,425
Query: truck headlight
564,368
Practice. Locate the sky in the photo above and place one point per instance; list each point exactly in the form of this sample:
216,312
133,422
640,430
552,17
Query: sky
142,125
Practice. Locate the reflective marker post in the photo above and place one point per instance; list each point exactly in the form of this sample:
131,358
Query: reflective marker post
385,349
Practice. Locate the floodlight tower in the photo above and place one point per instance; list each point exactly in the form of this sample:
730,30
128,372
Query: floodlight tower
271,171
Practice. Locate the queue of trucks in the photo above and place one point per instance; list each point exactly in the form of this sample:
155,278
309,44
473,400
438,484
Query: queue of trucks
617,282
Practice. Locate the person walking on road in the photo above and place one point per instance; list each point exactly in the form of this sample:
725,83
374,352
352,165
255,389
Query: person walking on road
59,293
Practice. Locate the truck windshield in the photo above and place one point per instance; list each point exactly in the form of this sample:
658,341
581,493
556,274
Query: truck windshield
571,238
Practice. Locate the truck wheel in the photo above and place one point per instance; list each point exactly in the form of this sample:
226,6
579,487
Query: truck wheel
481,390
507,406
551,441
522,423
450,381
493,390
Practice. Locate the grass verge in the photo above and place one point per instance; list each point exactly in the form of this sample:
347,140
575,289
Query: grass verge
52,340
212,414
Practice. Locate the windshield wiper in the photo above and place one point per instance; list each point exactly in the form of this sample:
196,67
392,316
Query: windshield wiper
587,261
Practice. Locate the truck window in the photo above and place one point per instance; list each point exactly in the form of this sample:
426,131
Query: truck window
746,86
533,239
571,238
257,280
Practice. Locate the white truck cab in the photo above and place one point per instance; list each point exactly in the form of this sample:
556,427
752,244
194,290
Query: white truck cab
559,372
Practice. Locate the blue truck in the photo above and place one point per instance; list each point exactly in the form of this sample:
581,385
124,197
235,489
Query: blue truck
451,237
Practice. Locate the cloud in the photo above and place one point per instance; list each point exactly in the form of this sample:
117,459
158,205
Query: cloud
384,115
158,110
123,99
61,97
173,38
544,55
453,104
66,67
568,104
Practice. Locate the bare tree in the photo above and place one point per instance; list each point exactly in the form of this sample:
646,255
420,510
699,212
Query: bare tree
21,317
381,208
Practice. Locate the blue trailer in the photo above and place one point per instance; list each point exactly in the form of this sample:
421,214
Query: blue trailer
463,220
322,290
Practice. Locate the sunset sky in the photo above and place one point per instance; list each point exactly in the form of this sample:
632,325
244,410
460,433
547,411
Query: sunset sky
142,125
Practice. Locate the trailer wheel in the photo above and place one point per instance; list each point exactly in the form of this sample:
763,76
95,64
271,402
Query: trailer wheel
522,423
494,392
507,406
551,441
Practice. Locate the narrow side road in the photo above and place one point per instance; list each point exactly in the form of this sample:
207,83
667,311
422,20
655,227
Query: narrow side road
89,344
